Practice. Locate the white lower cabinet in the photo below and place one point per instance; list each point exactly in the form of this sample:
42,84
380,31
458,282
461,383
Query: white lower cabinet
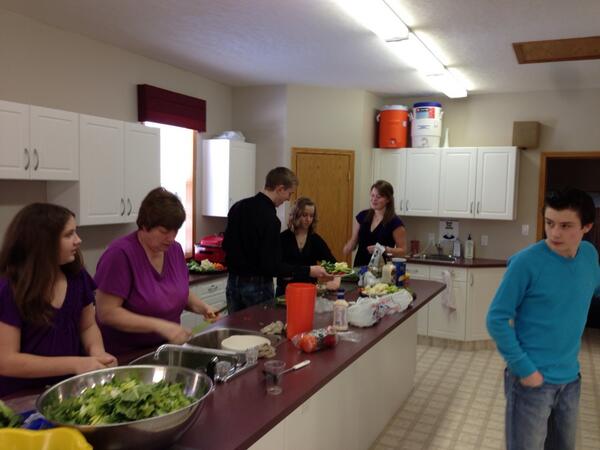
211,292
352,409
472,292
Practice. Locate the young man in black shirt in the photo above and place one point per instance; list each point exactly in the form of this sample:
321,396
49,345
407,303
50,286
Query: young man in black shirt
252,245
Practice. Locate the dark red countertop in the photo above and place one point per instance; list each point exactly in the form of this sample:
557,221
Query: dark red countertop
240,412
461,262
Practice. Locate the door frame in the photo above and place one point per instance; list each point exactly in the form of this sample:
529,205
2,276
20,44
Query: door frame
295,151
544,157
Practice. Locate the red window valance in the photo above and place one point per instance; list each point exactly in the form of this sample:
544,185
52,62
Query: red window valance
163,106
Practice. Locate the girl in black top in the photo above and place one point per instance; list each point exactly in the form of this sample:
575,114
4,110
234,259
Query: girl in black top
378,224
301,245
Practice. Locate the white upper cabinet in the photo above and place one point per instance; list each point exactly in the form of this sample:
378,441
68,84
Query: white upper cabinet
119,164
457,182
102,200
422,182
38,143
496,191
228,174
142,165
390,165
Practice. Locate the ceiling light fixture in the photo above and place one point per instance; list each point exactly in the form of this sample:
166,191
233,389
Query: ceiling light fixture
378,17
381,18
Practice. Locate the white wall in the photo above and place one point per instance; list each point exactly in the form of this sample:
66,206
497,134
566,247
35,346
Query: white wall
45,66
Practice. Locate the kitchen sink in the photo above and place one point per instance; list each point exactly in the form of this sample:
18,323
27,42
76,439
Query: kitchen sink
212,338
437,257
180,356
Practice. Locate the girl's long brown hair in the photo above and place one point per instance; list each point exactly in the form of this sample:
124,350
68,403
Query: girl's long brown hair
386,190
296,214
29,258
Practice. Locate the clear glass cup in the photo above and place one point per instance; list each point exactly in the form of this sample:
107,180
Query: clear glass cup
273,369
252,356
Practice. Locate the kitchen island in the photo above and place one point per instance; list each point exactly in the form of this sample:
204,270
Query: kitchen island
343,399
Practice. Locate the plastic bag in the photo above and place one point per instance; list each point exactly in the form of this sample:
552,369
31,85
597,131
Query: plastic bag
364,313
232,136
315,340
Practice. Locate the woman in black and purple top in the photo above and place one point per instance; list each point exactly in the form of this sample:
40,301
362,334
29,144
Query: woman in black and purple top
47,325
379,224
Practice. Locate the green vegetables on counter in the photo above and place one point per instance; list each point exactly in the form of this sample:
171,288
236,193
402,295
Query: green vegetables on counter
336,268
119,402
8,418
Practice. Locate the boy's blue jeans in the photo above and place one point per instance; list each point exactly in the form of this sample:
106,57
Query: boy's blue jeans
245,291
541,418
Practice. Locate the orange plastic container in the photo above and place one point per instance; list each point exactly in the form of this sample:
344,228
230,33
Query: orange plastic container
393,126
300,301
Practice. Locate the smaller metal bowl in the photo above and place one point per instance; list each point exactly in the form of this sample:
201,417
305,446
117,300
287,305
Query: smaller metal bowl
153,433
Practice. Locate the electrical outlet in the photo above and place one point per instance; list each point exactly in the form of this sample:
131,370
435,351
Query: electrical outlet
431,238
525,229
484,240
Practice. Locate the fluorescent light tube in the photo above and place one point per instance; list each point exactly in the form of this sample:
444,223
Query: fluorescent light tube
448,84
414,53
377,16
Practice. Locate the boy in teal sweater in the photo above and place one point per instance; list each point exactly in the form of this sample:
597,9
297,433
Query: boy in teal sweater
537,318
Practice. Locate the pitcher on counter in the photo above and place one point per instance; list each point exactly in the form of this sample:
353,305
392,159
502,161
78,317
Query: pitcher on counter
143,281
252,245
537,318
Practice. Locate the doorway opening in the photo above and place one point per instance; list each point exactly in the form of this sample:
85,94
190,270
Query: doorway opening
579,170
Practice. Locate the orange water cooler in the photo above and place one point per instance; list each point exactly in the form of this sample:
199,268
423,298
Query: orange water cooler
393,126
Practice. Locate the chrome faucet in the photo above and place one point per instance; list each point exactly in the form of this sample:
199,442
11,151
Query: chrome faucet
240,364
439,248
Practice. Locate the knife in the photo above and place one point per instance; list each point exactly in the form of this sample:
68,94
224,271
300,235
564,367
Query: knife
300,365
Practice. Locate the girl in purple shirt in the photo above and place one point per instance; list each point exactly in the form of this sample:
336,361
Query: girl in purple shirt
47,325
143,281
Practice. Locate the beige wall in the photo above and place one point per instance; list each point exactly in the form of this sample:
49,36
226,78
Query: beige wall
45,66
337,119
261,113
569,123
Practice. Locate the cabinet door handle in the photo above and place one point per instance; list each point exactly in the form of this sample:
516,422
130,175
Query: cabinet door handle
122,207
471,280
406,206
130,206
28,159
478,207
400,205
471,208
37,159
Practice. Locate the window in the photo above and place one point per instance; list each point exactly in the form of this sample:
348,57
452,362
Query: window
177,174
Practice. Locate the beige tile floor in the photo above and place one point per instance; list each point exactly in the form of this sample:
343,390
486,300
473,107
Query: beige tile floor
458,401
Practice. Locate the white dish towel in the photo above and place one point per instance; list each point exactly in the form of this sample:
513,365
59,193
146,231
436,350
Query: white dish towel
447,294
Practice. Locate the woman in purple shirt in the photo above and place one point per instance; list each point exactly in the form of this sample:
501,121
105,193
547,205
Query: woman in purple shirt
143,281
379,224
47,324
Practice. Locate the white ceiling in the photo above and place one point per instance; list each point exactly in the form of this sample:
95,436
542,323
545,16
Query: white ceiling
312,42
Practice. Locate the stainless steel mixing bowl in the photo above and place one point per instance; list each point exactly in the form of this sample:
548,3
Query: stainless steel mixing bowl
153,433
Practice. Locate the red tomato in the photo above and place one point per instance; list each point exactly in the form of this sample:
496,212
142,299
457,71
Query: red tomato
308,343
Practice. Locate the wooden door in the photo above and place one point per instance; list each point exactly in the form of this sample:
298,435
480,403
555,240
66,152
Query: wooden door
327,177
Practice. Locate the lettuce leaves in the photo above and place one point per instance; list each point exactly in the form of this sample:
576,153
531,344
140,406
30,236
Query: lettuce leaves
119,402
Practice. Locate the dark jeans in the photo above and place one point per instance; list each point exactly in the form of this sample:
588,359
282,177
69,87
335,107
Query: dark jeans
245,291
543,417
